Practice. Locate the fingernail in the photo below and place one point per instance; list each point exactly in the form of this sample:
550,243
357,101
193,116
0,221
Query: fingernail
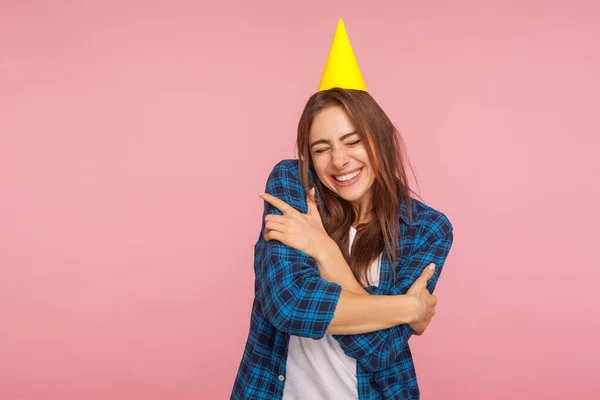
431,266
260,193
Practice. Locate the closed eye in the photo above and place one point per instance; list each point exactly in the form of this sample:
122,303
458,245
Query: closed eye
354,143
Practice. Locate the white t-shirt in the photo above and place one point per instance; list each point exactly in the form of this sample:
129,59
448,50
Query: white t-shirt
319,369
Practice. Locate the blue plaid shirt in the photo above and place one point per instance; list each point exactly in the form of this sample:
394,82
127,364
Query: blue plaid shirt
291,299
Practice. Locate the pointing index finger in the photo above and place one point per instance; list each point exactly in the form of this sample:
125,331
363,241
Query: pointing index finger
277,203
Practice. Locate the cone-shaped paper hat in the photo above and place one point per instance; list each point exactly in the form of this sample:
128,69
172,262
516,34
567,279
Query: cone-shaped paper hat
341,69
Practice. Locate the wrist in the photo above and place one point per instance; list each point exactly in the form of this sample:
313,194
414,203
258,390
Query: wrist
327,251
333,267
408,309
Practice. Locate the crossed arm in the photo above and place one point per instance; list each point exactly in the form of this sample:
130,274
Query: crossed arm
379,349
295,299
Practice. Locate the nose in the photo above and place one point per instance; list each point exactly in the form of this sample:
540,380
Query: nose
339,159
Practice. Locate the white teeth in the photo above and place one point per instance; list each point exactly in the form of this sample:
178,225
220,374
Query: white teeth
344,178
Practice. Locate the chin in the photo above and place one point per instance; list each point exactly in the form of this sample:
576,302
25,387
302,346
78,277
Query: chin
351,196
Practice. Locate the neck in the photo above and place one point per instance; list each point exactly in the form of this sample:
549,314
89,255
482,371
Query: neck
363,210
363,217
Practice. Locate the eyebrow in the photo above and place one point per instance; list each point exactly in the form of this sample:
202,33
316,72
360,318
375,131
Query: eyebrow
327,141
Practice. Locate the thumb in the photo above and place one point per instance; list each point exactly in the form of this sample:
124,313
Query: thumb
428,272
421,282
310,201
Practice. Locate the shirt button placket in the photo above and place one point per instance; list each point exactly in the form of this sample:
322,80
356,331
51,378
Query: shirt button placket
281,378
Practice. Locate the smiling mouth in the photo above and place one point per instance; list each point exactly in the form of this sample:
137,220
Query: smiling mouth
348,179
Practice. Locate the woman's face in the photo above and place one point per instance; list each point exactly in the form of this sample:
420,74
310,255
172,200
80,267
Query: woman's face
340,157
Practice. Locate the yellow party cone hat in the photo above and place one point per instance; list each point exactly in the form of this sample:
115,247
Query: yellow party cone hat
341,69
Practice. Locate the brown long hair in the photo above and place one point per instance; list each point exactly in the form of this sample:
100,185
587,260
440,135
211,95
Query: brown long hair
387,155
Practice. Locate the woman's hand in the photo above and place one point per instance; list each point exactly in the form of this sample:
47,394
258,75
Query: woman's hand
304,232
426,301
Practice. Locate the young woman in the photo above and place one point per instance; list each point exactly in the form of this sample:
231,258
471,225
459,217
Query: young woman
345,263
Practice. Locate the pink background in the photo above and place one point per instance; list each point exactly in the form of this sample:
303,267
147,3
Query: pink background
134,136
